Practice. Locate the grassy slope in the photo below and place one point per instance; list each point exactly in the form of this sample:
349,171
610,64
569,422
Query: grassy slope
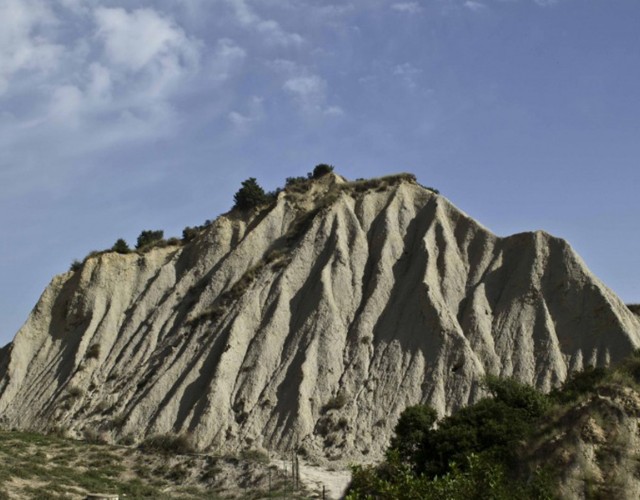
51,467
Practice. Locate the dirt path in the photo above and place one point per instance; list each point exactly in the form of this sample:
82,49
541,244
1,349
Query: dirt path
313,477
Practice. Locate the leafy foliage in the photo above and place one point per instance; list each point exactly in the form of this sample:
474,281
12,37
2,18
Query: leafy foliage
250,195
147,238
321,170
411,432
493,426
579,383
469,455
189,233
480,478
120,246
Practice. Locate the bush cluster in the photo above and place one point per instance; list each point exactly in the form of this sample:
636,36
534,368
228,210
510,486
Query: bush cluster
147,238
321,170
169,444
471,454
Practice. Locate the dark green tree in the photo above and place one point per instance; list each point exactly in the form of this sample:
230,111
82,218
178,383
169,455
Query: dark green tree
492,426
411,433
120,246
322,169
189,233
250,195
148,237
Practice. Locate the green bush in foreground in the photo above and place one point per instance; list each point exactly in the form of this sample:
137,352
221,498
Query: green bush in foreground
471,454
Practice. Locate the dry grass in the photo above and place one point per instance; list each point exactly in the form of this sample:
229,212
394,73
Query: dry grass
53,467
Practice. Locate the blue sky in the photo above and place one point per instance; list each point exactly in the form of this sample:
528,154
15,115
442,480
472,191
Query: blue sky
118,116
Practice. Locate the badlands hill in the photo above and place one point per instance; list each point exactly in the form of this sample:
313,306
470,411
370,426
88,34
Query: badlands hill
308,323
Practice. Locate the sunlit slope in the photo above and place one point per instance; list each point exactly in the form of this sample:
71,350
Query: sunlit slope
312,322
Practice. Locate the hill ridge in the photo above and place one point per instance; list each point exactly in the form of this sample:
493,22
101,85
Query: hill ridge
311,321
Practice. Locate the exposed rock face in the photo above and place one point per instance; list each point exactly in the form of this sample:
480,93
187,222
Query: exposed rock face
593,444
314,322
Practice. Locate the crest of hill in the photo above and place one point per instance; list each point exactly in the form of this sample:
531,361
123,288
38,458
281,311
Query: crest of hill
309,322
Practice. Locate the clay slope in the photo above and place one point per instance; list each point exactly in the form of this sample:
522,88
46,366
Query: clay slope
313,322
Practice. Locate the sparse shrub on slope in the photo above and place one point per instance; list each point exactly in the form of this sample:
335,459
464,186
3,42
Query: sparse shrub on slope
189,233
168,443
578,384
634,308
93,352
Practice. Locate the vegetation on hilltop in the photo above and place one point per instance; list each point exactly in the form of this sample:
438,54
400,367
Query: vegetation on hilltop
252,196
634,308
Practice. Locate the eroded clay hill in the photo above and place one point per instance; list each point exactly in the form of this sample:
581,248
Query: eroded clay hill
310,323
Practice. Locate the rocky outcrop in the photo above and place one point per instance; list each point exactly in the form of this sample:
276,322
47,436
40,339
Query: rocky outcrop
310,323
591,446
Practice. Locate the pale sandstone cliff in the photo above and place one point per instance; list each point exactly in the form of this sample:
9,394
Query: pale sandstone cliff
311,324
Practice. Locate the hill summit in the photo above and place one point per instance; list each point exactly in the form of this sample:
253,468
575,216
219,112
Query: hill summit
309,322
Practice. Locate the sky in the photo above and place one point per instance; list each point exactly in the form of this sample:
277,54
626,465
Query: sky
121,116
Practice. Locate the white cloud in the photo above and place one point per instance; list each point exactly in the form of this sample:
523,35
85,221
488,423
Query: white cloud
309,91
226,58
145,58
24,42
306,87
134,40
66,104
333,111
474,5
408,73
407,7
284,67
75,85
269,30
254,113
76,6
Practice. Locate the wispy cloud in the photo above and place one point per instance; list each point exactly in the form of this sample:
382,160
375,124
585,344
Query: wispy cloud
310,92
545,3
143,38
227,56
254,113
269,29
25,42
408,73
407,7
81,79
474,5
